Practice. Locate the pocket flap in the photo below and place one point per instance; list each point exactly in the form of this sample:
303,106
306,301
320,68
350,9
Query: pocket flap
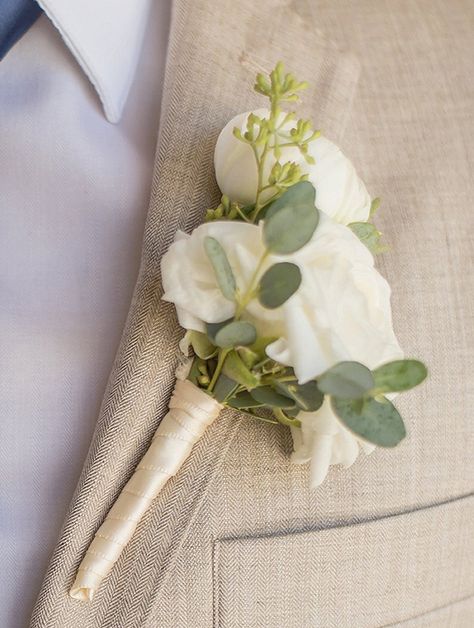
367,574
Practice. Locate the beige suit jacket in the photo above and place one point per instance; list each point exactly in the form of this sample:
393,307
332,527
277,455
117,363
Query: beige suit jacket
237,539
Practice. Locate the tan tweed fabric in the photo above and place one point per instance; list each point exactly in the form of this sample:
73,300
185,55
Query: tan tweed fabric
237,539
334,563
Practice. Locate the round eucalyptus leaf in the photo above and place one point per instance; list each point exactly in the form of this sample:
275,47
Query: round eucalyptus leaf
222,269
293,412
278,283
213,328
368,235
399,375
346,380
376,422
235,368
232,333
307,396
224,387
244,400
291,220
269,397
202,346
301,193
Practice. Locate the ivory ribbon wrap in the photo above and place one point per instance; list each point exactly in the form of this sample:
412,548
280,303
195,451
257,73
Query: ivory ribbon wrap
190,412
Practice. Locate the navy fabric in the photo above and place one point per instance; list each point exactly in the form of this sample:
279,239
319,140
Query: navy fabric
16,17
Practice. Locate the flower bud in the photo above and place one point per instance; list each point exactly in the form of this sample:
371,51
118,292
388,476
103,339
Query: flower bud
340,193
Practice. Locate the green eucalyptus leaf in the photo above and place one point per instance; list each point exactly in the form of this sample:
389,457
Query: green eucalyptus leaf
377,422
269,397
244,400
213,328
293,412
368,235
225,387
201,345
224,275
302,193
308,396
260,345
232,333
249,357
278,284
291,219
399,375
346,380
374,205
235,368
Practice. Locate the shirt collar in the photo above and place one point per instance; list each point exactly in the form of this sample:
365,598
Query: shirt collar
105,37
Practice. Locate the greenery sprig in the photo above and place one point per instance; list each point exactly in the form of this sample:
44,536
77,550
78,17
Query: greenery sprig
231,362
368,233
266,137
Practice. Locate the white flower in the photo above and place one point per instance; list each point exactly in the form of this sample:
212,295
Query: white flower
341,311
324,441
340,193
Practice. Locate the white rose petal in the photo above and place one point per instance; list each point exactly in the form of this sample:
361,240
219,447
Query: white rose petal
340,193
324,441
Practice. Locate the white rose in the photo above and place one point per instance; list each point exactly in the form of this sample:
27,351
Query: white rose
341,310
340,193
323,441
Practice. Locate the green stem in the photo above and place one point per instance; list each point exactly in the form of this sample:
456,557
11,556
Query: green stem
259,365
282,418
242,215
268,187
271,379
235,391
260,159
286,145
246,298
250,292
220,363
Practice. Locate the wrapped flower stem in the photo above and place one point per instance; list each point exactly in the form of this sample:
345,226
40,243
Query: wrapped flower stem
190,412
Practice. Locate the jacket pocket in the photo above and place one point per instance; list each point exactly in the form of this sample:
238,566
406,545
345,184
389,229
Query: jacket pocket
364,575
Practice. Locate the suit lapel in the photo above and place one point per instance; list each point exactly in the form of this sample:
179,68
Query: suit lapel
214,52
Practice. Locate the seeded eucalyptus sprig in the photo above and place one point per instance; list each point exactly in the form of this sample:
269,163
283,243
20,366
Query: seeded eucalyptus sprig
269,135
266,137
228,210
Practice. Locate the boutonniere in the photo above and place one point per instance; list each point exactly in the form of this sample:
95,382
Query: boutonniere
287,319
